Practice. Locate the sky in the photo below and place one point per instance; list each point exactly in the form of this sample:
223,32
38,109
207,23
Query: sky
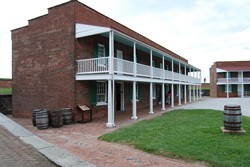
201,31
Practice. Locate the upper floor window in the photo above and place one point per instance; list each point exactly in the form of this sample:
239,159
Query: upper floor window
101,50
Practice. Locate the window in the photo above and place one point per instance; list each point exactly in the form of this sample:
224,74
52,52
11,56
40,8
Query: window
154,91
101,93
101,53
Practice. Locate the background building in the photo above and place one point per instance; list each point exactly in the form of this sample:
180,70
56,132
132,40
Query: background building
230,79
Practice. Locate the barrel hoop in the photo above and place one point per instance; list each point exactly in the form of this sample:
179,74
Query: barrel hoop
233,114
232,122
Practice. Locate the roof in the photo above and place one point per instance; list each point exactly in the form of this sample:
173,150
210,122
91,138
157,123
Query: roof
233,65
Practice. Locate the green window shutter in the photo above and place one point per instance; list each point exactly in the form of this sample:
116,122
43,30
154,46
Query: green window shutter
234,88
223,88
131,92
93,93
106,51
139,91
248,87
95,50
156,89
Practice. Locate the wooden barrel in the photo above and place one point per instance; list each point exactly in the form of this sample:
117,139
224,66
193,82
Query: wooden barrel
67,116
232,117
34,116
56,118
42,120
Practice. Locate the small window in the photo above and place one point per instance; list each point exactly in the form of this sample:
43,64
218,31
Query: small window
101,93
101,54
101,50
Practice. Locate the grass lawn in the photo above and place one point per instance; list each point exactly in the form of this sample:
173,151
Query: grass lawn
5,91
190,135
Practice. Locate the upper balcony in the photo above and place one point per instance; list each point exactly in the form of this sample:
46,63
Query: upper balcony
128,68
239,80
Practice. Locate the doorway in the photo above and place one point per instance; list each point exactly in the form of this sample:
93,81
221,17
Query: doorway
119,96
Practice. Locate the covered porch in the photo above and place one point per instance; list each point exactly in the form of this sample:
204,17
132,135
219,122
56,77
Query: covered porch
147,65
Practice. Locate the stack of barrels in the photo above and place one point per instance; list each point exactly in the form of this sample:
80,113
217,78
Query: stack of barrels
42,118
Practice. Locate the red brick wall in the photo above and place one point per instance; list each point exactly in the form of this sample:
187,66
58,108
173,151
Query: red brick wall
5,83
43,62
213,81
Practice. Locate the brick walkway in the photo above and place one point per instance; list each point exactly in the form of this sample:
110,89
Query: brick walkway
82,141
13,152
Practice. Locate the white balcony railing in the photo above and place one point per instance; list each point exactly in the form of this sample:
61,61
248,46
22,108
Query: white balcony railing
233,80
97,65
124,67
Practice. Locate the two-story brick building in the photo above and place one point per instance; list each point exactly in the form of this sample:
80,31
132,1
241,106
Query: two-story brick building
75,55
230,79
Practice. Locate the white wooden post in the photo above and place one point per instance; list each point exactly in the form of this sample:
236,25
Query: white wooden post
179,88
134,55
111,51
134,116
151,111
110,122
190,86
172,95
185,87
172,85
242,85
163,97
227,87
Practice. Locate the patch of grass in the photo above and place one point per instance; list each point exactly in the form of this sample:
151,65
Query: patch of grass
190,135
5,91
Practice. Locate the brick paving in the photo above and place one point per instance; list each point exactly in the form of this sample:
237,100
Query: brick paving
82,141
13,152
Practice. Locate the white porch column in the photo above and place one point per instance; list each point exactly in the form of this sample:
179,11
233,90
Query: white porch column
242,86
151,110
179,88
172,85
163,67
134,55
185,86
163,97
227,87
172,95
179,94
134,116
151,63
190,96
110,122
200,85
193,92
197,92
111,51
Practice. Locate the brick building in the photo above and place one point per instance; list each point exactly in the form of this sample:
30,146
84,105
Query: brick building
230,79
75,55
5,83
